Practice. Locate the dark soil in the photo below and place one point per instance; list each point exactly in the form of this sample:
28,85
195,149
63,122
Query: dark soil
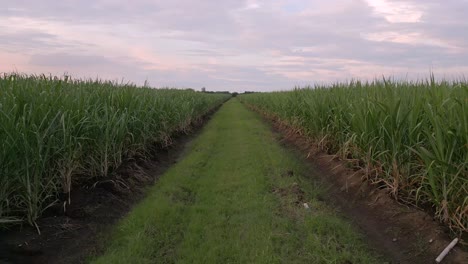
401,233
79,232
293,191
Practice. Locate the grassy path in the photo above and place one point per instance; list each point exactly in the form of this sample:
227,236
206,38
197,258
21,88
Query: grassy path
236,197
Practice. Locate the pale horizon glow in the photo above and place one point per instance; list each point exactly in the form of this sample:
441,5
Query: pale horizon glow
234,45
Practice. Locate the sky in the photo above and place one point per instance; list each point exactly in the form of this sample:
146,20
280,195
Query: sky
235,45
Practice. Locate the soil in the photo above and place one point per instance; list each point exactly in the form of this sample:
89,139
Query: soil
401,233
294,190
80,232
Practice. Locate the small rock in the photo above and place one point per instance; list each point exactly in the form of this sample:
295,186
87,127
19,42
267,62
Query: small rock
431,240
395,240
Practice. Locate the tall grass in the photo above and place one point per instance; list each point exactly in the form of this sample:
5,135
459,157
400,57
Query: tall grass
411,136
56,132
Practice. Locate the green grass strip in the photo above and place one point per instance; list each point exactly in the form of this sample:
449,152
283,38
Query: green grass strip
232,199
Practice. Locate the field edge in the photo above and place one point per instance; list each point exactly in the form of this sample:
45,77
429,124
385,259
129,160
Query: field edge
410,233
74,235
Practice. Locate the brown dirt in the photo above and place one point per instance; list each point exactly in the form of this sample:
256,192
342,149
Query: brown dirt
290,198
293,191
75,235
401,233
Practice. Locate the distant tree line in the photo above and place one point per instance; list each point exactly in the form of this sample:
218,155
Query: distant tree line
233,94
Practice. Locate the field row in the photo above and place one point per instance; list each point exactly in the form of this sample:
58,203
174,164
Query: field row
57,132
409,137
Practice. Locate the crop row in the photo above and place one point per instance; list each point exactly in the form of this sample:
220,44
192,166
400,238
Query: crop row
409,136
58,132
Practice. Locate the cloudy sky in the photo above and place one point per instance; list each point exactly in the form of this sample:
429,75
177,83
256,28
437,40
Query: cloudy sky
235,45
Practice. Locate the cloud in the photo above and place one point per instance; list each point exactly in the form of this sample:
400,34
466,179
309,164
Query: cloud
397,11
61,60
235,45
